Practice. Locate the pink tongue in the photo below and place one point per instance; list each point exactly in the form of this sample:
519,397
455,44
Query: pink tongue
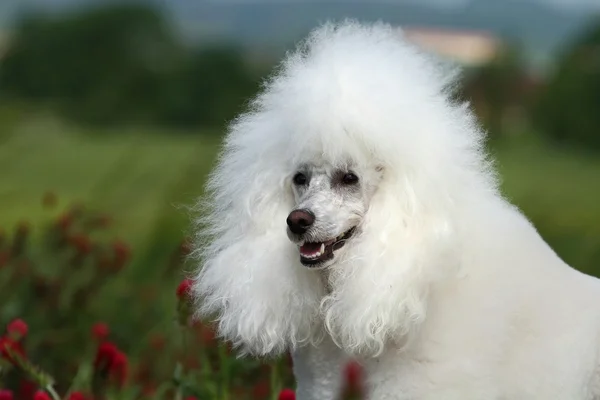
310,247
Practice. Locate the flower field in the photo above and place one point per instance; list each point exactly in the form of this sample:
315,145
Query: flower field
59,281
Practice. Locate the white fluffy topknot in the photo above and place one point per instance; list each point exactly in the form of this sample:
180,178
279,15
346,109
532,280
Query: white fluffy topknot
349,90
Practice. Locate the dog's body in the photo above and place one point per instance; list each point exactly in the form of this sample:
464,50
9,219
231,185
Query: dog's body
526,326
400,251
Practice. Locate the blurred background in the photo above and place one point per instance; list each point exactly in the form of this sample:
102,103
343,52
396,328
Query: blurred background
111,114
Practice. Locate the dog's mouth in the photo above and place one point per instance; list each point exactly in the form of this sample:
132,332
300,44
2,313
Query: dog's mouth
314,253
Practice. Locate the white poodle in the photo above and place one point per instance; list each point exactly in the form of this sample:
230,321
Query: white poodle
400,251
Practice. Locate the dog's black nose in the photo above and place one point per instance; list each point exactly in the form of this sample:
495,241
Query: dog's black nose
300,220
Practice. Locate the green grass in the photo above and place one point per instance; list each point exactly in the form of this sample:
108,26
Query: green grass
558,189
552,177
138,177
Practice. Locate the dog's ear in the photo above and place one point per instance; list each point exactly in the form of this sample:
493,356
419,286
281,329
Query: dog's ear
380,287
247,277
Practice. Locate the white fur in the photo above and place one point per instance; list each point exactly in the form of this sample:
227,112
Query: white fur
447,293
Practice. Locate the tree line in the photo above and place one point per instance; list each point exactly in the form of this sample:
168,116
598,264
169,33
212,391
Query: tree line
564,105
123,63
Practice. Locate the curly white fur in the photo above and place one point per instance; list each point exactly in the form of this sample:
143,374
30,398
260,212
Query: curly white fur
439,251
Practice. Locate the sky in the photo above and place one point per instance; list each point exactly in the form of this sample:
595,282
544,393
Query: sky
561,4
9,7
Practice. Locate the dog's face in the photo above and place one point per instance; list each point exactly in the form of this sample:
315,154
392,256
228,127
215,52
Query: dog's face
331,202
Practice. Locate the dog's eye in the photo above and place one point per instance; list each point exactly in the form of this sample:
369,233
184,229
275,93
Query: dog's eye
300,179
349,179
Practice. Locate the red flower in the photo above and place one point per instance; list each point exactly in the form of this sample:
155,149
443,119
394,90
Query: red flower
8,344
353,375
17,329
111,362
104,356
184,306
6,395
120,368
100,331
41,395
27,389
77,396
287,394
184,287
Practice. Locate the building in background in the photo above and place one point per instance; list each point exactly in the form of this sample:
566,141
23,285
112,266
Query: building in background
499,89
468,48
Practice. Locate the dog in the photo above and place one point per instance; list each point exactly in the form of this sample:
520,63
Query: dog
355,214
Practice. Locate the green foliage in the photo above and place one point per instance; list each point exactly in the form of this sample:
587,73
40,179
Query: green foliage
568,108
496,87
95,65
123,64
210,88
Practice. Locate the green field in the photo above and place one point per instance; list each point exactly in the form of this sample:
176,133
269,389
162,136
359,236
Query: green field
144,179
558,189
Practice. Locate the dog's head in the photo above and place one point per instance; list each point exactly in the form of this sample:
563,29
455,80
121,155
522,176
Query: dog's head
356,142
330,204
